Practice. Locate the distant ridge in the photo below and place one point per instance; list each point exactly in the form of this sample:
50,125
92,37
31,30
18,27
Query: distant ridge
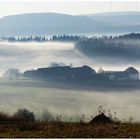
45,23
117,18
55,23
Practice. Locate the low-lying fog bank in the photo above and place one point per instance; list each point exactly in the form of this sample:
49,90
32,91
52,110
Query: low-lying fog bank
32,55
71,104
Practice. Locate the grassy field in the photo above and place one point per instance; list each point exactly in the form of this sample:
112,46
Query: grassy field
15,126
22,124
69,130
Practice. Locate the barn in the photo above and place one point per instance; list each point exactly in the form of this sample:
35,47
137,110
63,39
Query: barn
129,74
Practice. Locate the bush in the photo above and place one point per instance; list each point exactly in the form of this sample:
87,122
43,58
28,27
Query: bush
5,117
24,115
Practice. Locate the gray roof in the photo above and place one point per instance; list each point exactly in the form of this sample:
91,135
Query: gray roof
128,71
131,70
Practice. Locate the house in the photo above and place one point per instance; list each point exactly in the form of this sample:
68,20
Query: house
62,73
128,74
101,119
81,73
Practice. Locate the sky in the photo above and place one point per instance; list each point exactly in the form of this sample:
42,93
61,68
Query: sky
73,7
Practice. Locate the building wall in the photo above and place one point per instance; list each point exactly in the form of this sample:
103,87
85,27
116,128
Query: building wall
112,77
134,76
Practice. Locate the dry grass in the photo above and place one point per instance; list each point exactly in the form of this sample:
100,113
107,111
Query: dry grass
22,124
69,130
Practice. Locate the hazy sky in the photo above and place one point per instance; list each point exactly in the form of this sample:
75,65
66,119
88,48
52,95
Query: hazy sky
9,7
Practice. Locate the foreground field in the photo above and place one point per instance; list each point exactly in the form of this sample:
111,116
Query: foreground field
23,124
69,130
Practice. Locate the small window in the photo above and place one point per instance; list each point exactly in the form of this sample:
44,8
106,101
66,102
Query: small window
111,77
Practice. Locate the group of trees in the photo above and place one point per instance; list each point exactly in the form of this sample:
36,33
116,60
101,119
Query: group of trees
129,36
110,46
12,74
21,115
26,39
24,115
65,38
122,45
41,38
68,38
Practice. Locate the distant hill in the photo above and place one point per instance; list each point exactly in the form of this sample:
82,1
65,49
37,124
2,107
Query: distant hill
120,21
54,23
46,23
117,18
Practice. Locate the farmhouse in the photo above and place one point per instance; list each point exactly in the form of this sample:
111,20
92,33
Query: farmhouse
81,73
128,74
62,73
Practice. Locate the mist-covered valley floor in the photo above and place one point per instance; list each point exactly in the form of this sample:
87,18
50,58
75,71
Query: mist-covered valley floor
71,104
67,102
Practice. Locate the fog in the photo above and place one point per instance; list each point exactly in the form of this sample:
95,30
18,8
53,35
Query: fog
67,102
112,55
33,55
70,103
